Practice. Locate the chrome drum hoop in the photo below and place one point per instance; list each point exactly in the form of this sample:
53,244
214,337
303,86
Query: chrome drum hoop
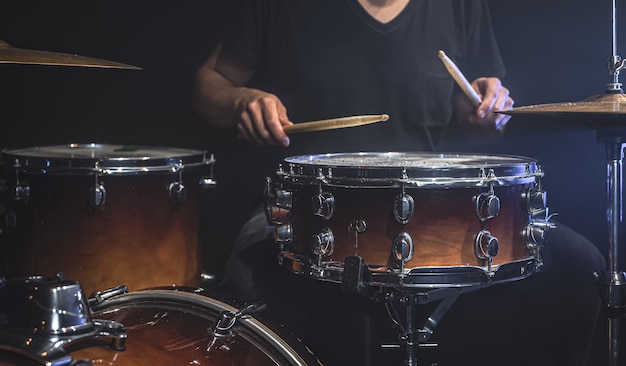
176,299
410,169
103,159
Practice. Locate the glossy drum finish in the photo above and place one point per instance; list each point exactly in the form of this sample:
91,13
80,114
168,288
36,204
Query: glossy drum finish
138,236
438,232
173,327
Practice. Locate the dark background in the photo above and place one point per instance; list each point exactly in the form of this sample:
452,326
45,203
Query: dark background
555,51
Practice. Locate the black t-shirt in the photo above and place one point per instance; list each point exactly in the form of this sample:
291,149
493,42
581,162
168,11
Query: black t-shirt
330,58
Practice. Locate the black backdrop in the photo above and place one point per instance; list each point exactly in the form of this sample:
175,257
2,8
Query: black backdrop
555,51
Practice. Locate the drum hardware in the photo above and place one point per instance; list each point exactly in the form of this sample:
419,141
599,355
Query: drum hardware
98,297
486,248
487,203
176,190
358,227
278,203
21,190
41,316
403,207
226,320
402,306
323,204
323,244
402,250
97,193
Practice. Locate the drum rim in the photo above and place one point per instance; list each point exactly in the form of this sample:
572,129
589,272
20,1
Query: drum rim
174,295
304,169
34,159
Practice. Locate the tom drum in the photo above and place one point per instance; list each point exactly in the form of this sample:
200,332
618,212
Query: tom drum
105,214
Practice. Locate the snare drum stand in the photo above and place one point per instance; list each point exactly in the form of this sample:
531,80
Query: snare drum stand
401,303
613,280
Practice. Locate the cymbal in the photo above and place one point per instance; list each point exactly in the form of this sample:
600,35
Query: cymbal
13,55
601,105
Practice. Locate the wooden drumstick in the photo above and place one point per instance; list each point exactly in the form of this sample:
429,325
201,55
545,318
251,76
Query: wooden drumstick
460,79
329,124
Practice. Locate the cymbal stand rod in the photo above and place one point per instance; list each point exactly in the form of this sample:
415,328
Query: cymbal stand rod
615,61
614,27
612,282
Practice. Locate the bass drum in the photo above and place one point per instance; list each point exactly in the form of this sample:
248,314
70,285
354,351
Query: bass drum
172,326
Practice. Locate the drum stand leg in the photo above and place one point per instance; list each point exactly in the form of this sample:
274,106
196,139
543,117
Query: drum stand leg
612,281
402,303
402,308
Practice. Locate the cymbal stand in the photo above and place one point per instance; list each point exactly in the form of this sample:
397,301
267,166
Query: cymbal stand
612,281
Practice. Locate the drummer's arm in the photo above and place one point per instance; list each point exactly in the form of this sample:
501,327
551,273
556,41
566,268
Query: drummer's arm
223,99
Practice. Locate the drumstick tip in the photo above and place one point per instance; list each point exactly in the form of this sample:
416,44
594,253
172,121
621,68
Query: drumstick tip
384,117
441,54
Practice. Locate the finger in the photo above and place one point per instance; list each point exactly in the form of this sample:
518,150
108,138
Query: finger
242,133
251,119
277,129
274,112
246,128
490,88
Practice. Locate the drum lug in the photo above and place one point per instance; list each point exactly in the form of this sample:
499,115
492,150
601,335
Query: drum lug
323,244
536,202
21,190
278,203
403,207
486,248
323,205
283,233
177,193
97,196
403,249
487,204
21,193
535,234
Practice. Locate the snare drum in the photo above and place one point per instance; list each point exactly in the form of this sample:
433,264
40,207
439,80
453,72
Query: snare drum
409,219
106,214
161,326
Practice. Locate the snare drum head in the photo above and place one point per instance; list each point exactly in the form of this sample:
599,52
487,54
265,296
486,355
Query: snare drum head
108,159
409,168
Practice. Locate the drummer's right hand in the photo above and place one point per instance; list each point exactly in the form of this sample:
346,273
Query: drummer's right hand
261,117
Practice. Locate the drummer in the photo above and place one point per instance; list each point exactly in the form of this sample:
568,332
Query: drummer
284,62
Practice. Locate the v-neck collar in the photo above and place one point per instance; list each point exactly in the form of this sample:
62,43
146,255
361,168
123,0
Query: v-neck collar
377,25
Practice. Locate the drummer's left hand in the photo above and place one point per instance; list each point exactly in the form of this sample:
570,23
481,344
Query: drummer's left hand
495,97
